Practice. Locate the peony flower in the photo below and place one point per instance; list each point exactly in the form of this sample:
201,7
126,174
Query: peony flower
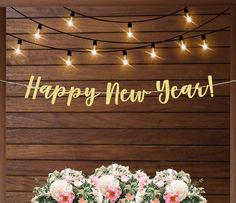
112,194
142,179
94,180
178,186
172,197
59,186
66,197
129,197
107,181
155,200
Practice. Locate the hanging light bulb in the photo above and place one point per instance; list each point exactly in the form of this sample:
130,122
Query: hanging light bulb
37,34
130,33
187,16
182,44
70,21
94,50
17,49
125,59
69,60
204,44
153,52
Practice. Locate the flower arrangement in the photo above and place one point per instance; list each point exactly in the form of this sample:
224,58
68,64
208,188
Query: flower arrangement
116,184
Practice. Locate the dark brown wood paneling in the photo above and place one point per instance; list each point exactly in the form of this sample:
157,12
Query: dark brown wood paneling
150,104
111,152
190,135
169,56
2,102
119,136
43,167
233,108
117,72
121,120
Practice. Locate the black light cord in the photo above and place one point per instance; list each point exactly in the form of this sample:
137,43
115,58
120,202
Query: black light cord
115,50
119,42
125,22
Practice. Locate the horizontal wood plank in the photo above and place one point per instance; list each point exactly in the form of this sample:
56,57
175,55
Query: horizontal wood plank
117,120
117,72
111,152
119,136
150,104
89,25
115,11
216,39
43,167
167,56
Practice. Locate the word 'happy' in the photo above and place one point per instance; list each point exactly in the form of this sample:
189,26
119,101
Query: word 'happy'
114,93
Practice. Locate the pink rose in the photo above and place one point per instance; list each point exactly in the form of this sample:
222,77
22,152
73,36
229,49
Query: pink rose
112,194
66,197
155,200
129,197
172,197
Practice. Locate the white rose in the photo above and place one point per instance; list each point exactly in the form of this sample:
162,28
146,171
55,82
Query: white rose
59,186
124,178
203,200
106,181
159,184
34,200
178,186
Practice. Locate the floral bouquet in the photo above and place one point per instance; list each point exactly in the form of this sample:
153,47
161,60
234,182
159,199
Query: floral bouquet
116,184
67,186
168,186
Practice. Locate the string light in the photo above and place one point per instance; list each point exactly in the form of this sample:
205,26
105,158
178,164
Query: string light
94,50
70,21
182,44
125,59
204,44
130,33
153,52
187,16
69,60
17,49
37,34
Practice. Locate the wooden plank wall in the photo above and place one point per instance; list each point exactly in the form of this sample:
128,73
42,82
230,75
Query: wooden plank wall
188,135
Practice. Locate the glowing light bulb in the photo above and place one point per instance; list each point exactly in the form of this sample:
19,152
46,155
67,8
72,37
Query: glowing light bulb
130,33
69,60
187,16
94,50
70,22
182,44
125,59
153,52
17,49
37,34
204,44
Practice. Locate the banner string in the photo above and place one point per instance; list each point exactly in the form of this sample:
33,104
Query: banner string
151,91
